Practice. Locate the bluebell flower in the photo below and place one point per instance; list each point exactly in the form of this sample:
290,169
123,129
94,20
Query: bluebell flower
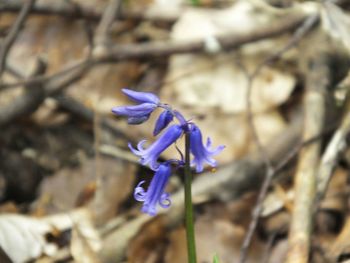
151,154
202,154
138,113
162,122
141,97
155,194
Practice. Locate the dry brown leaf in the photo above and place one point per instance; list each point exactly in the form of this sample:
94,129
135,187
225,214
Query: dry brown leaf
213,236
117,178
336,197
149,244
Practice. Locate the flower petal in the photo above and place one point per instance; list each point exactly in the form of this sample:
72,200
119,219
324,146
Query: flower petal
152,153
165,201
155,194
139,192
138,120
141,97
144,109
202,154
162,122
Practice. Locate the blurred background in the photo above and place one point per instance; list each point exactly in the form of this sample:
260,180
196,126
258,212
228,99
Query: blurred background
265,78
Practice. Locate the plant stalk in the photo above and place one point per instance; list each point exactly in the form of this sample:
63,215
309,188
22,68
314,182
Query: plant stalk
189,222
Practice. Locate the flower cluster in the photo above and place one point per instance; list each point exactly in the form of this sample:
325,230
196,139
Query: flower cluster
137,114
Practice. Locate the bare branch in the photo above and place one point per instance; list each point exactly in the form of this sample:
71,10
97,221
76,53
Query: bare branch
14,31
163,49
26,103
317,83
74,11
331,155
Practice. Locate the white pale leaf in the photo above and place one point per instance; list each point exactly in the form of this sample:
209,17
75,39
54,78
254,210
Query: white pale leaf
22,238
336,23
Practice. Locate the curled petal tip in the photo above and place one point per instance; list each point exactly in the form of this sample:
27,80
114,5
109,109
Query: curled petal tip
151,154
155,194
202,153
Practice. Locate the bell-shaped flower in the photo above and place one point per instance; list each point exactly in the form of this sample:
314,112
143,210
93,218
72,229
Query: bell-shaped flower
155,194
162,122
141,97
202,153
151,154
138,113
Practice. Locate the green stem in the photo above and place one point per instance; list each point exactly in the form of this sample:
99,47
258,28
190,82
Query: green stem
191,245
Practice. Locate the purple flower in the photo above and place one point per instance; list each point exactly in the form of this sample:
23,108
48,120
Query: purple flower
138,113
155,193
151,154
141,97
202,154
163,120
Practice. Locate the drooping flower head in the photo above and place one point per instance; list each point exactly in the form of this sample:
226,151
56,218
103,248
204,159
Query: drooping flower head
202,153
138,113
155,195
152,153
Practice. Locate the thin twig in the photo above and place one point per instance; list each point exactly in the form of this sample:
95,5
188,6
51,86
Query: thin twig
23,104
67,9
112,11
27,102
101,38
162,49
270,169
78,64
13,33
331,155
75,107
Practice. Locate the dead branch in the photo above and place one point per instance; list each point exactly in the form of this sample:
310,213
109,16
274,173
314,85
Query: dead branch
101,40
154,50
75,107
26,103
57,82
112,11
227,42
67,9
14,31
331,155
318,80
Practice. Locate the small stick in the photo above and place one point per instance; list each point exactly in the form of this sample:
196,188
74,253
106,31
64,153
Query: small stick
317,82
13,34
331,155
